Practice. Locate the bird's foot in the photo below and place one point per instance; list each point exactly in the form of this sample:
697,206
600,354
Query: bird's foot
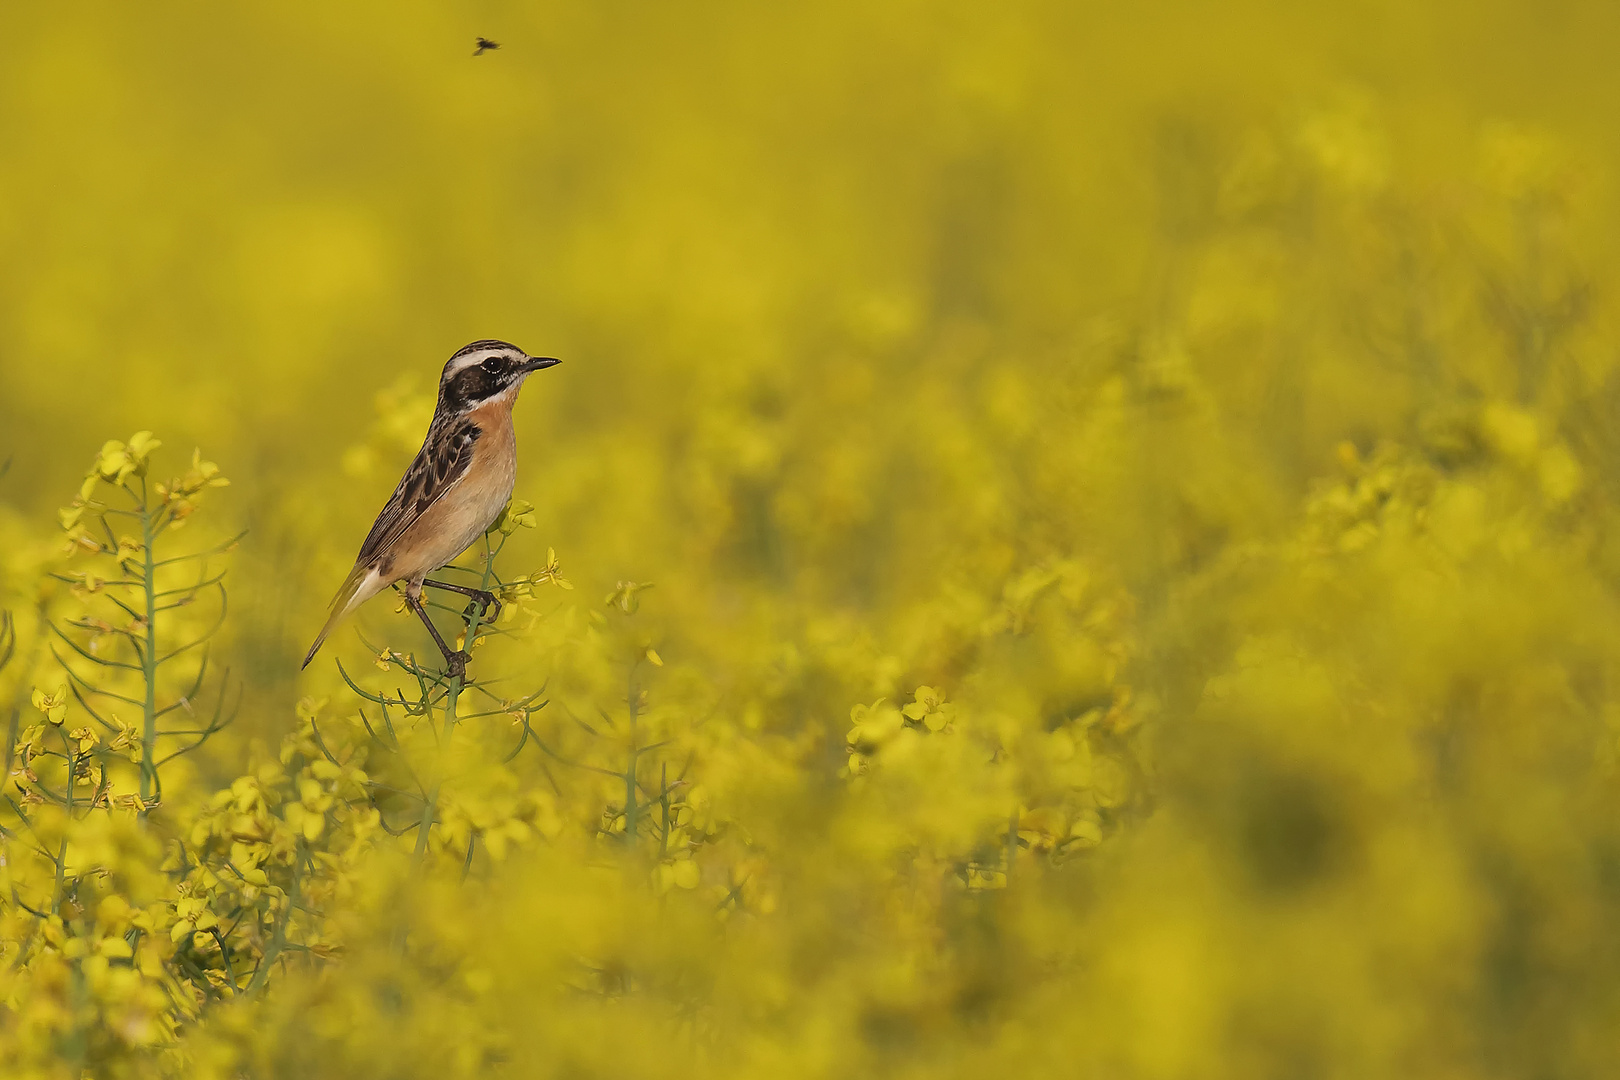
485,601
455,664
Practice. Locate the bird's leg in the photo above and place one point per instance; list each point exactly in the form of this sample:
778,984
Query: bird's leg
486,600
455,662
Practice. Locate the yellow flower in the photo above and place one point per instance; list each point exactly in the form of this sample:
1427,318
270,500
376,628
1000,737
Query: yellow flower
114,948
182,494
53,705
624,596
678,874
191,914
113,463
928,706
141,445
127,742
204,473
552,572
516,515
129,550
873,725
302,820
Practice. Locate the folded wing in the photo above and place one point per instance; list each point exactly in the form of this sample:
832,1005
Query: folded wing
443,460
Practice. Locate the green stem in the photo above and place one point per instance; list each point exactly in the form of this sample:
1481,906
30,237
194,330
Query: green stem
278,940
631,808
663,797
75,1047
471,624
149,659
5,847
61,853
41,622
430,805
1012,844
11,743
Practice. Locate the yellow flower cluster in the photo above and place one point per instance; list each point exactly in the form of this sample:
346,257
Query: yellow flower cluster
1057,584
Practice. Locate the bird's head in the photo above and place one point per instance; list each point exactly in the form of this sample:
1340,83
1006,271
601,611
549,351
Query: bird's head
486,371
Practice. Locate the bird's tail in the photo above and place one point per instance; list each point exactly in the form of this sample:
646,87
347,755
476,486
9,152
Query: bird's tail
347,599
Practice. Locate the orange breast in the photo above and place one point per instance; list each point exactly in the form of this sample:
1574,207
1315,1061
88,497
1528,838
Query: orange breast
462,514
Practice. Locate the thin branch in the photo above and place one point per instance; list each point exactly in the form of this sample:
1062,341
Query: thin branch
382,819
36,914
196,588
92,657
503,712
527,731
75,677
218,549
79,579
520,702
734,894
9,835
375,737
541,743
11,742
589,730
29,825
196,686
207,635
388,722
380,786
225,956
215,725
376,698
320,742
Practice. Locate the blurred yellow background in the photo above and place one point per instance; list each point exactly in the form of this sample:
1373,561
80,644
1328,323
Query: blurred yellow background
1200,419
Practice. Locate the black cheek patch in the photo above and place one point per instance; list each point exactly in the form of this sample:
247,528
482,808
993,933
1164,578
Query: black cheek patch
467,387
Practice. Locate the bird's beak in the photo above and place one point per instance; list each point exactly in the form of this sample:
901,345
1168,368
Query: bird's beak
537,362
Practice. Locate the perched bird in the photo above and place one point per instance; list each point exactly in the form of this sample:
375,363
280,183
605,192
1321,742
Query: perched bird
458,484
484,45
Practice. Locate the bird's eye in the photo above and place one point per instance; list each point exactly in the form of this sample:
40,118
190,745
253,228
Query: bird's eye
493,364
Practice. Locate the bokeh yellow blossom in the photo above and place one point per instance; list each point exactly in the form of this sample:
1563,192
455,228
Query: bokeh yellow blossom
1067,540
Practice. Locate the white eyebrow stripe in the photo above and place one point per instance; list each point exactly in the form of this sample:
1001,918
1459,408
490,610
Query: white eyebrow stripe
462,362
469,357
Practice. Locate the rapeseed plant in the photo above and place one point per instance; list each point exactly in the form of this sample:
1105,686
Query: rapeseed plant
1090,547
